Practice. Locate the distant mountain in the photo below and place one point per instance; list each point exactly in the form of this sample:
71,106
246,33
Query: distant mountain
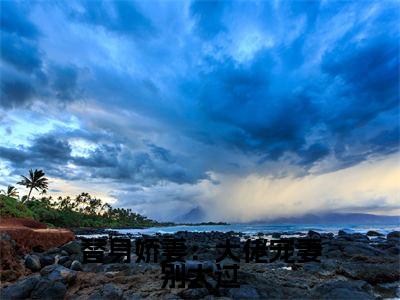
196,215
335,218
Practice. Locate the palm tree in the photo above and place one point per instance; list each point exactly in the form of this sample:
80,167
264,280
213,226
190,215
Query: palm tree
10,192
35,181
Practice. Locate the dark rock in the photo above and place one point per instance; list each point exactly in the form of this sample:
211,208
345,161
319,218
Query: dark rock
394,249
393,235
276,235
46,260
32,262
340,289
359,237
342,233
372,273
109,291
58,273
76,266
62,260
21,289
313,234
357,248
53,251
73,247
244,292
196,293
374,233
67,264
78,257
48,289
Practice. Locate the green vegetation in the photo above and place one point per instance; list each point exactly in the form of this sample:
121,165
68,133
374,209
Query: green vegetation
81,211
35,181
11,191
10,207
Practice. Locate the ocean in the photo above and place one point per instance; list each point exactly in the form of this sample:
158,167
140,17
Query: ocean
252,229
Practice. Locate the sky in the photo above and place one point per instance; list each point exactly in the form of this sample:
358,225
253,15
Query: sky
244,110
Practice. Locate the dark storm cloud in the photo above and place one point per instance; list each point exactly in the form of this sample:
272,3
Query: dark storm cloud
13,19
26,73
45,151
15,92
65,82
21,53
308,79
146,168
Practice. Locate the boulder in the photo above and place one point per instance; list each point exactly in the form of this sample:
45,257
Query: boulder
76,266
372,273
61,260
374,233
21,289
48,289
393,235
73,247
59,273
360,248
32,262
313,234
46,260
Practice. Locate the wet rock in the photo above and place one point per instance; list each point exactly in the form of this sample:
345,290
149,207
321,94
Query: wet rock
21,289
59,273
196,293
393,235
244,292
374,233
394,249
359,237
32,262
313,234
76,266
276,235
340,289
46,260
357,248
48,289
61,260
370,272
109,291
73,247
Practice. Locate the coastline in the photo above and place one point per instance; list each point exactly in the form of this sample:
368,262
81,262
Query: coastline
352,265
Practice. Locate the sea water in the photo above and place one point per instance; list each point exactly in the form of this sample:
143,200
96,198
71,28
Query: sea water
252,229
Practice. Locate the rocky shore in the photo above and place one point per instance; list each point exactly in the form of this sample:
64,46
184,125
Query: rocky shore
352,266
